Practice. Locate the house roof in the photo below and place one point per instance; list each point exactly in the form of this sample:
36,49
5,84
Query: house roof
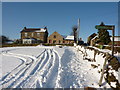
94,37
69,38
34,29
56,34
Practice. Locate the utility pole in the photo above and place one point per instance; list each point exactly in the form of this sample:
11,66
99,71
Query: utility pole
78,30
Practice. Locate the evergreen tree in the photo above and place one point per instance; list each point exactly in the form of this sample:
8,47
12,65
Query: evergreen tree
103,35
3,39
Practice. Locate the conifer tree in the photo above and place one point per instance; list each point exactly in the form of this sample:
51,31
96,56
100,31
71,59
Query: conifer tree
103,35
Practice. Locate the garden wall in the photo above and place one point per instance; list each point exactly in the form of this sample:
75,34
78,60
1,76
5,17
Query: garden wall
112,69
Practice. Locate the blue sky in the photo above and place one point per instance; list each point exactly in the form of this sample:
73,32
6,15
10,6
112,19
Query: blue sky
60,17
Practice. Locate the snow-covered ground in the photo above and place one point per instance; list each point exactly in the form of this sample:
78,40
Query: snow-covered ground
46,67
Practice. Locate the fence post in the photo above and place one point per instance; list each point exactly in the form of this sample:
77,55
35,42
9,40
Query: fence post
94,55
101,78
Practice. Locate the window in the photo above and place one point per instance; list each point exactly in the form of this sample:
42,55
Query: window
54,41
54,36
32,34
59,41
50,41
38,34
38,38
25,42
25,34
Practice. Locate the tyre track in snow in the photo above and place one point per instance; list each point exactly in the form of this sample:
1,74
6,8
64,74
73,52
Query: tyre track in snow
42,72
45,70
53,72
43,67
47,73
34,71
19,71
15,71
27,74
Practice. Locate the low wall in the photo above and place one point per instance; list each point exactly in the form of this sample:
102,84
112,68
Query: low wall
112,69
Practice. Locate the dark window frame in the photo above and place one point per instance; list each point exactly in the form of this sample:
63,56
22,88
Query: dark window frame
54,36
54,41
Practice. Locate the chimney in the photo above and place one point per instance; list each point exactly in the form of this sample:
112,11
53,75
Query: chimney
24,27
45,28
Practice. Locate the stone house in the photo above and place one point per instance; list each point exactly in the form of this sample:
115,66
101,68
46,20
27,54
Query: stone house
69,39
56,38
34,35
92,39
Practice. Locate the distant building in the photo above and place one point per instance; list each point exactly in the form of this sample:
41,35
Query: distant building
56,38
116,40
69,39
10,42
92,39
34,35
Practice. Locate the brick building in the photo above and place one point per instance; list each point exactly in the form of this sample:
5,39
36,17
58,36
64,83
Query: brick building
34,35
56,38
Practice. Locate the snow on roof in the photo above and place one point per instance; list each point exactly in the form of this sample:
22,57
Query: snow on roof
95,37
115,38
41,30
69,38
34,30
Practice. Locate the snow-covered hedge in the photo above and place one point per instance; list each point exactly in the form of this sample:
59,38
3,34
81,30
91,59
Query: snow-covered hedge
98,57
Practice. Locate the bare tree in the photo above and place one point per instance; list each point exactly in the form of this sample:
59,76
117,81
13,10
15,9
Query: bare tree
74,28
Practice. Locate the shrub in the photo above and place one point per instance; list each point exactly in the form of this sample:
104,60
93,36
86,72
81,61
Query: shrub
13,45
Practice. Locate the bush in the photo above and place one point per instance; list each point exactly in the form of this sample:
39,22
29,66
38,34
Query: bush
45,44
14,45
100,46
48,44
